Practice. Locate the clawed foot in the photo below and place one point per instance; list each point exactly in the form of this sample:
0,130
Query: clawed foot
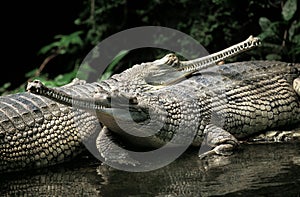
220,150
221,141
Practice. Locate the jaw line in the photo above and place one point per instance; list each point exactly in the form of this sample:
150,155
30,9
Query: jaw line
125,122
124,114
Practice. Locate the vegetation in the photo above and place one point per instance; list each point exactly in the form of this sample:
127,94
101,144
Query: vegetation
216,24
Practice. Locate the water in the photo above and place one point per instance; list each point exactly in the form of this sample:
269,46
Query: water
255,170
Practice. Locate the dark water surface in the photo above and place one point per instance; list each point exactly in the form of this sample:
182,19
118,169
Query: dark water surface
256,170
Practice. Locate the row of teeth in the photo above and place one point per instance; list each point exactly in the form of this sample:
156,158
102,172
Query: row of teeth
74,102
231,50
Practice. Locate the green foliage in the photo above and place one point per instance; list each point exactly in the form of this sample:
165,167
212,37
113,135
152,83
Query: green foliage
216,24
289,9
4,87
85,71
64,44
281,37
98,18
110,69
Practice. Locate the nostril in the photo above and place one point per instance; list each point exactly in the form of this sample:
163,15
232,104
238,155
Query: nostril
2,135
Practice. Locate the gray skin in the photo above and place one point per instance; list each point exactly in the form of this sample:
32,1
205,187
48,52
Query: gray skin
37,132
217,106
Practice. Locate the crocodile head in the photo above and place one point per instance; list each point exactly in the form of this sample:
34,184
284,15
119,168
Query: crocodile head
134,112
126,107
141,100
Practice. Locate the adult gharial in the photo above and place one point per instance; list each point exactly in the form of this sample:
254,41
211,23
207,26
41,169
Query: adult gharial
166,101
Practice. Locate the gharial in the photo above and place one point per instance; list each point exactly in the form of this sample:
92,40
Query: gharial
217,104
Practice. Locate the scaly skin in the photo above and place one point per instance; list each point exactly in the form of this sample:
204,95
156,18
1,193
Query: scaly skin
221,105
36,131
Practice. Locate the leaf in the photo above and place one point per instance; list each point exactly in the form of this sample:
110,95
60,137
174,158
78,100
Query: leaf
78,21
109,70
48,48
84,71
65,78
294,27
31,73
264,23
296,39
63,43
4,87
289,9
269,29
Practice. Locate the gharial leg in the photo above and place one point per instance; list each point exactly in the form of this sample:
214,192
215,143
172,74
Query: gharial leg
111,150
217,142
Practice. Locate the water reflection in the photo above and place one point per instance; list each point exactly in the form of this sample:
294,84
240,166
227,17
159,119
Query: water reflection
260,169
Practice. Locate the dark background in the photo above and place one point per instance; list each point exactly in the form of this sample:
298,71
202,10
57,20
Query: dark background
27,26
